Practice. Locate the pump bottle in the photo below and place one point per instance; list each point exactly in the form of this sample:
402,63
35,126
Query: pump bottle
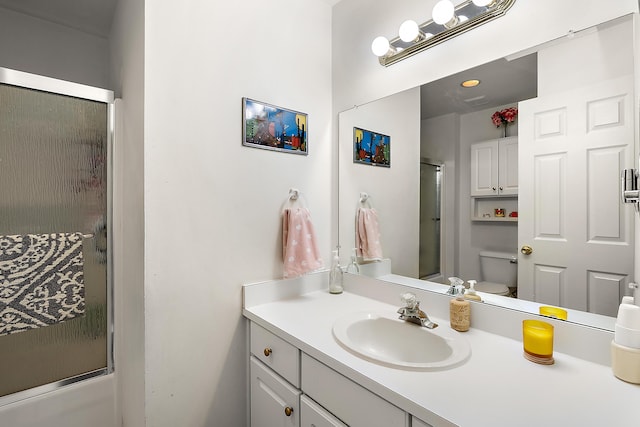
335,275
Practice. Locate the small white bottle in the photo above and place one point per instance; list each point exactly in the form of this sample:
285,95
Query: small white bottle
335,275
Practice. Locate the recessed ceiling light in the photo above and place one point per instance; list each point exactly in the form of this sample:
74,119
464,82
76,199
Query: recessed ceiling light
470,83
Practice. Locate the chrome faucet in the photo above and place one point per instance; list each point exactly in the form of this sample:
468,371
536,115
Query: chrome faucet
411,312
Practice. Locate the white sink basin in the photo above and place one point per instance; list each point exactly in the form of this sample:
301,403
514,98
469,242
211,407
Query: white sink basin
399,344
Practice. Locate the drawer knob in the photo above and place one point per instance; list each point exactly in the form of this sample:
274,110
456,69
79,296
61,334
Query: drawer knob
267,351
288,411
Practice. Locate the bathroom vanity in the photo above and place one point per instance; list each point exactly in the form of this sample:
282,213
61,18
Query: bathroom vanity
301,375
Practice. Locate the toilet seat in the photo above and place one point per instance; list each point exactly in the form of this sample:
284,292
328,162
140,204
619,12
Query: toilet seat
493,288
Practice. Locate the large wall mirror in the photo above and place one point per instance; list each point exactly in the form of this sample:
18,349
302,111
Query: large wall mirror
575,132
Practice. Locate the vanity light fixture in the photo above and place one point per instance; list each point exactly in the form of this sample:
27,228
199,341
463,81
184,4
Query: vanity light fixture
447,21
444,14
410,32
381,47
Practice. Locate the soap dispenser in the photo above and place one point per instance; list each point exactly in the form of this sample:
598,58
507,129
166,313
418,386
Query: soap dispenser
353,267
471,292
460,311
335,275
454,284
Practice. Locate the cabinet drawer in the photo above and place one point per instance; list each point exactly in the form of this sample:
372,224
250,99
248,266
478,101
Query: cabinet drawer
314,415
416,422
274,402
350,402
276,353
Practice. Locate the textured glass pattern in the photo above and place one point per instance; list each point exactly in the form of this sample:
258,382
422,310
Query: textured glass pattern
53,179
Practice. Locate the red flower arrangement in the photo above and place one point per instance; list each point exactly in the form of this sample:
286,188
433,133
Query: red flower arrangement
504,117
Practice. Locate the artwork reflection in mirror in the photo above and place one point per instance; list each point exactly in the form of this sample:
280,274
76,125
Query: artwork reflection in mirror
371,148
568,211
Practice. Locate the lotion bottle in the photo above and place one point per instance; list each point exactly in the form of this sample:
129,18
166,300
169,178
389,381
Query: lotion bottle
460,311
335,275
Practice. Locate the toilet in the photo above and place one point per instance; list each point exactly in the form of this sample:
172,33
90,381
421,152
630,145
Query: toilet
499,272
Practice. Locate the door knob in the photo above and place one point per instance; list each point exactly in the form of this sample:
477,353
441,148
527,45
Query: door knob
267,351
288,411
526,250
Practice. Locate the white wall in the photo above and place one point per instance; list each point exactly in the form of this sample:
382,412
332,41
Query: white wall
399,117
40,47
587,58
127,76
359,78
212,206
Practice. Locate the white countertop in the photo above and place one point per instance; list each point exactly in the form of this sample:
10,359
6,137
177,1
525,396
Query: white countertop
497,386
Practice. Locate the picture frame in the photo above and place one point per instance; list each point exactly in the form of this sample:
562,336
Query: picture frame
371,148
274,128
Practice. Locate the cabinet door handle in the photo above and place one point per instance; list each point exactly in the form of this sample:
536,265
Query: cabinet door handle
267,351
288,411
493,188
501,189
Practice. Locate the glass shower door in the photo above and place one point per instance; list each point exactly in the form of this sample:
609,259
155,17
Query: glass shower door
55,319
430,207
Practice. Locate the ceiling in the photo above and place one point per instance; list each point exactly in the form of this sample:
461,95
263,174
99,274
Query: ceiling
90,16
501,82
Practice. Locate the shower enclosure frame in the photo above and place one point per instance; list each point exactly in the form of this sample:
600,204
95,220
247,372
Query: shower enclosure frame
76,90
439,218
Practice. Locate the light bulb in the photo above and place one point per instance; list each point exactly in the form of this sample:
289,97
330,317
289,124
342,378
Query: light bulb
409,31
380,46
481,3
443,12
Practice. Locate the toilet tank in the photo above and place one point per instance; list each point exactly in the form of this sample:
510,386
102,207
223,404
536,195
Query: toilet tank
497,267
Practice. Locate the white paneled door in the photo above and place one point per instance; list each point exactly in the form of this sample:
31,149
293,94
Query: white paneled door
573,147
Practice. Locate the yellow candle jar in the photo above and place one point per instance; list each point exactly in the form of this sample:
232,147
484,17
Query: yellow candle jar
556,312
537,338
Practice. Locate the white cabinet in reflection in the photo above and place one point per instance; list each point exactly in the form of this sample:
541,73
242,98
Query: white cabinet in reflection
494,167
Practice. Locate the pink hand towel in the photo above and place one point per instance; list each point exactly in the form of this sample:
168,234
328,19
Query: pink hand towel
368,235
299,244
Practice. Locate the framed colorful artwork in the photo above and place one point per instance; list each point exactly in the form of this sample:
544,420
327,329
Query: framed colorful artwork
274,128
371,148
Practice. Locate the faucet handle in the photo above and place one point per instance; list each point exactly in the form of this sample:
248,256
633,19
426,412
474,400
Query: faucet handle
409,300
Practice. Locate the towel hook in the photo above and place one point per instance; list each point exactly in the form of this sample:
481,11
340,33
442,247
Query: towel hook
365,199
294,193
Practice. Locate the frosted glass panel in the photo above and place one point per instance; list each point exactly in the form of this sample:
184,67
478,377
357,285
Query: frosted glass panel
53,179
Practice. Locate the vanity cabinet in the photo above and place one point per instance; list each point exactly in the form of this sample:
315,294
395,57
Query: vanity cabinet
314,415
494,167
361,409
274,402
291,388
416,422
